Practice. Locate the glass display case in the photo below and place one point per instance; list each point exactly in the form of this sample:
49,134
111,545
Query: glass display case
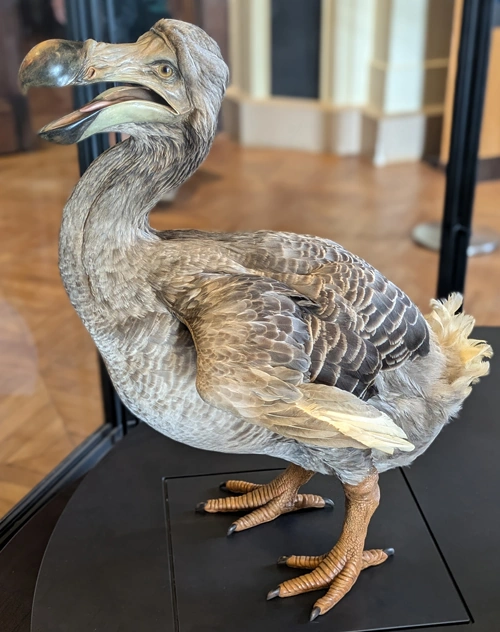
60,415
56,396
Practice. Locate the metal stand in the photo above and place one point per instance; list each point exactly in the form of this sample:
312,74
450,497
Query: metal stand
462,166
428,235
97,20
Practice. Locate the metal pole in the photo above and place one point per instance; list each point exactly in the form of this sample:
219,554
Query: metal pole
466,128
96,20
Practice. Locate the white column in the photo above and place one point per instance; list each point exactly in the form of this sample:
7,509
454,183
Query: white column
250,46
407,75
347,31
383,65
399,56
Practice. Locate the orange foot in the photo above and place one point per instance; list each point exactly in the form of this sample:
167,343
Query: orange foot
337,571
269,501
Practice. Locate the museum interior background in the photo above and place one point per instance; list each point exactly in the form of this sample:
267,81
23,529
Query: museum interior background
336,123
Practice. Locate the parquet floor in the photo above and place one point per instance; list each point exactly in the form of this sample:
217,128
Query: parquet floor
49,394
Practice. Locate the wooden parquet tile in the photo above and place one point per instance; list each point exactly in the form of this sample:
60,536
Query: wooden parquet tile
49,387
49,390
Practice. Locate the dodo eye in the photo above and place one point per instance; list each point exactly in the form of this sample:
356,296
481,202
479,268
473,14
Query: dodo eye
166,70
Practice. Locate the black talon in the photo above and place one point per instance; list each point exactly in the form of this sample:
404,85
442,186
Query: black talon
232,529
315,613
200,507
282,560
329,502
223,487
389,551
273,593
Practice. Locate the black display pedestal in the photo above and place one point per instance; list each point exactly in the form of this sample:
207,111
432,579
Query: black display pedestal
130,554
118,562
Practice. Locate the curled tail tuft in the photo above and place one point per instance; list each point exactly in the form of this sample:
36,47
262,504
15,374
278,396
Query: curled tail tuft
466,358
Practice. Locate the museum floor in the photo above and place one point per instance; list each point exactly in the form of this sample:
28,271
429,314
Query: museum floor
49,392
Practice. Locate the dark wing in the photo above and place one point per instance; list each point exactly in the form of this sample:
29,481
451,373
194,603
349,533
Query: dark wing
257,341
360,315
344,286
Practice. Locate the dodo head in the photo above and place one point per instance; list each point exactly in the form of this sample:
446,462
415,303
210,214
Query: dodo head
174,76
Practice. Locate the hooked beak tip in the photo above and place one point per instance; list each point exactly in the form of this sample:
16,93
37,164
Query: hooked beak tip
53,63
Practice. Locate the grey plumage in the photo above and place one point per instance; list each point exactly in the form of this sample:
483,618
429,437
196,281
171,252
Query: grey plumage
263,342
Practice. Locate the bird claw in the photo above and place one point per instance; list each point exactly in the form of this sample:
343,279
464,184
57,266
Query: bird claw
272,594
315,613
265,502
232,529
336,571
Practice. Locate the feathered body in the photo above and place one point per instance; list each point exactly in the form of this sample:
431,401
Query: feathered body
297,310
264,343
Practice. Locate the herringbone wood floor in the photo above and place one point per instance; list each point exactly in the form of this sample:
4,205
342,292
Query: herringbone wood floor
49,393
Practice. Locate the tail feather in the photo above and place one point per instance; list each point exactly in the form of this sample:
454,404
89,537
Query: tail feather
466,357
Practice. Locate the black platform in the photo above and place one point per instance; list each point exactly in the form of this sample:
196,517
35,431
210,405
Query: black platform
129,553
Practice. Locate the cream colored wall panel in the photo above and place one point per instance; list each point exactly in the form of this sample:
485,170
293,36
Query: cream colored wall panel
250,46
382,74
408,69
285,123
394,139
382,29
346,48
341,67
231,115
235,26
363,33
293,124
306,125
345,131
404,89
407,36
377,88
259,17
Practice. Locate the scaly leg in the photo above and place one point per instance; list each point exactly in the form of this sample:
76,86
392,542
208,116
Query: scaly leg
269,501
339,569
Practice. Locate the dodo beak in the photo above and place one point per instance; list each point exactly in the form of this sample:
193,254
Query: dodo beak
58,63
54,63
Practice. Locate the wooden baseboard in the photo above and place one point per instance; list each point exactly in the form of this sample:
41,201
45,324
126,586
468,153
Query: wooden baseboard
487,168
8,141
310,125
15,129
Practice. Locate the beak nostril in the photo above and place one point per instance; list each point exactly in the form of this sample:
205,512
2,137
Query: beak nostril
91,72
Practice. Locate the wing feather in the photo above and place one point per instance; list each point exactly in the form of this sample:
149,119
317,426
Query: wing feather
254,339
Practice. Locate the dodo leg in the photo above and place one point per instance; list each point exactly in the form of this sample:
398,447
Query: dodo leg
339,569
267,501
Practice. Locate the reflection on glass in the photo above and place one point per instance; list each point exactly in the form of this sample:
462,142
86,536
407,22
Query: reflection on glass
135,17
132,17
50,397
49,383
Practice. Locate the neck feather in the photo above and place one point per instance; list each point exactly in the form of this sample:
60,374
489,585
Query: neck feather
105,226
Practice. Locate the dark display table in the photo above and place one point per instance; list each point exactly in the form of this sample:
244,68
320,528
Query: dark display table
130,554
